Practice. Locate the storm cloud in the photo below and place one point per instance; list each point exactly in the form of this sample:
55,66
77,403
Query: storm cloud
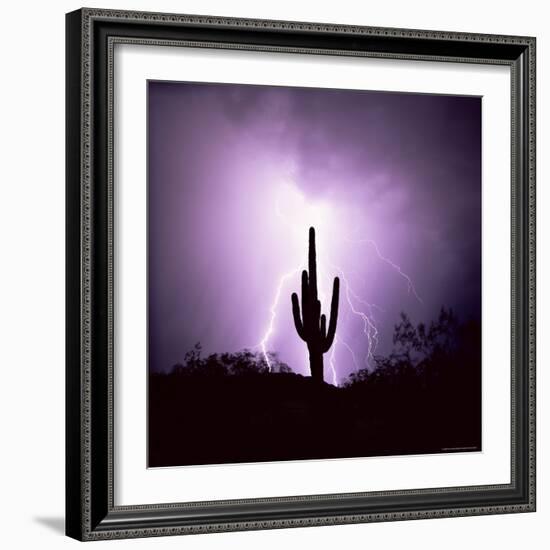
236,173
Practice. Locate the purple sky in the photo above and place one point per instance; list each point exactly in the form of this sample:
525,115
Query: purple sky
237,173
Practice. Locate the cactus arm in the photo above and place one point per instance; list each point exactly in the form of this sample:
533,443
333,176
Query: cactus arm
333,314
323,327
296,314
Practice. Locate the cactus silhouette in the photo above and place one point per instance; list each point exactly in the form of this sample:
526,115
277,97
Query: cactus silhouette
311,326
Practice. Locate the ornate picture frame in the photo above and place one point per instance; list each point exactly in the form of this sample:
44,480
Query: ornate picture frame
92,512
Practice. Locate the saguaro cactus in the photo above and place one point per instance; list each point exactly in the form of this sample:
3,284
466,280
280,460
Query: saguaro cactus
311,326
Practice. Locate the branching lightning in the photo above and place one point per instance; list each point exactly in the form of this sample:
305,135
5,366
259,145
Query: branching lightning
273,311
331,361
348,347
369,326
410,285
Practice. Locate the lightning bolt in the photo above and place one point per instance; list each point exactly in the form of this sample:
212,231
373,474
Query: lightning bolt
410,285
332,356
352,353
331,361
369,326
273,314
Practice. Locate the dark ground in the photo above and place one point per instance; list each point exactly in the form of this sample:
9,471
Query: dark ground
423,398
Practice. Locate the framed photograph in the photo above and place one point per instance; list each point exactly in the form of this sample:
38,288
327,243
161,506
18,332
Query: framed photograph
300,274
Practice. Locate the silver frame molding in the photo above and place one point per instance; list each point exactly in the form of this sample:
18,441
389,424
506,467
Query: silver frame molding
91,37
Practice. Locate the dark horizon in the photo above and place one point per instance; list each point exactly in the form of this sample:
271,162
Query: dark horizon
237,174
425,397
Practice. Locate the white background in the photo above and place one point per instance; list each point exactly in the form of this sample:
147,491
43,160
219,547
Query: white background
137,485
32,275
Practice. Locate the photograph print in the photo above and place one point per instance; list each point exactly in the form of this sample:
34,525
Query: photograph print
314,273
